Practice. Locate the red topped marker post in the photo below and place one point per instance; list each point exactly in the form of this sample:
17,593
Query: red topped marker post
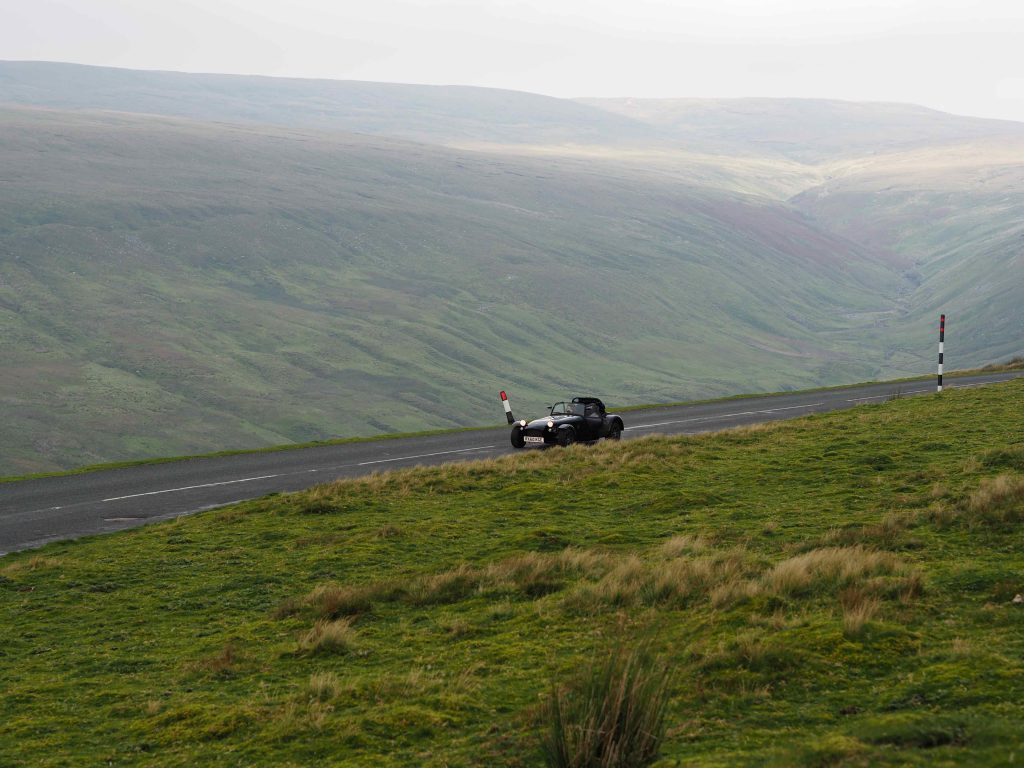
942,344
508,407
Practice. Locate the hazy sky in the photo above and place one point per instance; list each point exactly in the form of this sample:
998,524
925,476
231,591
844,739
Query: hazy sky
955,55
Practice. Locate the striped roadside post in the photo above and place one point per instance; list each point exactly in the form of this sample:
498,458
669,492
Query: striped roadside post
508,407
942,344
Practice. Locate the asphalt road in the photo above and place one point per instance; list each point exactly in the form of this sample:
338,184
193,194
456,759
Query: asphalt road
34,512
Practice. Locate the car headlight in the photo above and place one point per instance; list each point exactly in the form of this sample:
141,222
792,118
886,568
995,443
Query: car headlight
551,425
522,423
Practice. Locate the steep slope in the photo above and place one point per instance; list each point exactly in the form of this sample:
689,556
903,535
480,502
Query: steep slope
168,286
956,214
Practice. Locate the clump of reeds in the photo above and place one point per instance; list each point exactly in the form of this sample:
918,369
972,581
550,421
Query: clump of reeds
614,717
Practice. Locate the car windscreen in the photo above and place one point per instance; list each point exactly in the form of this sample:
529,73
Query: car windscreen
567,409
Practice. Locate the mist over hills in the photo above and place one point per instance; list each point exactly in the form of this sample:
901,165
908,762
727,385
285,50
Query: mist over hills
198,262
417,112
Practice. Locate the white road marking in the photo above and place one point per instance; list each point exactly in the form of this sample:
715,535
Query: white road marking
725,416
891,394
305,471
422,456
920,391
190,487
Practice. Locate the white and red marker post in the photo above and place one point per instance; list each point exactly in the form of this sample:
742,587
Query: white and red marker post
508,407
942,344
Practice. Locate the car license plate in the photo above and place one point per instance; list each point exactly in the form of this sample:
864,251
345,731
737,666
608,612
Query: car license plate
534,439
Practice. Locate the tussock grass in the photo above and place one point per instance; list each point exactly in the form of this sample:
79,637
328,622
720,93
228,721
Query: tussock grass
998,500
859,607
684,544
671,580
33,563
324,686
389,531
333,600
221,663
829,567
750,650
336,636
530,574
613,718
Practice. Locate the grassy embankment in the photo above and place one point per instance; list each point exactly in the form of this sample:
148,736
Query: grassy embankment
836,590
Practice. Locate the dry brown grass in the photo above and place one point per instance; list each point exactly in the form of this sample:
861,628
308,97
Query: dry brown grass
676,581
153,707
532,574
859,607
336,636
34,563
733,592
941,514
830,566
535,574
998,500
389,531
324,686
333,600
750,649
456,627
685,544
221,663
445,587
961,647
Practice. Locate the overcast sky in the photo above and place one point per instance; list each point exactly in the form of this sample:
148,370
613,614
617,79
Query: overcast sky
955,55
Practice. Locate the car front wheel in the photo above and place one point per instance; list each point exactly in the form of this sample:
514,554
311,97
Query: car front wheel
615,433
517,438
566,437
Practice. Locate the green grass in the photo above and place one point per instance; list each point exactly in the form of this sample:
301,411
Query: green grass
170,287
834,590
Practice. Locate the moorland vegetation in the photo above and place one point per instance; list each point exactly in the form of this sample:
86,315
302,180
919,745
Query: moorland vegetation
840,589
192,263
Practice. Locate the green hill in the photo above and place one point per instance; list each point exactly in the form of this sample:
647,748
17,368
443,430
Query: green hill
200,262
437,114
956,213
836,590
169,287
806,130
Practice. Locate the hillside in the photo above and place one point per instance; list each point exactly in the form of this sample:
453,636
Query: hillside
956,214
168,287
201,262
806,130
436,114
835,590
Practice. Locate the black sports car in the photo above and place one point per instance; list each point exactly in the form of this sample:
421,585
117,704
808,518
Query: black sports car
584,419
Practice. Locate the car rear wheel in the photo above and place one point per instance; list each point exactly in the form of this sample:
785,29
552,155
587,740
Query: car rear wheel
566,437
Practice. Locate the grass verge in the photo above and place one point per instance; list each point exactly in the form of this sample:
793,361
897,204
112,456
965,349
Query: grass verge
834,590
